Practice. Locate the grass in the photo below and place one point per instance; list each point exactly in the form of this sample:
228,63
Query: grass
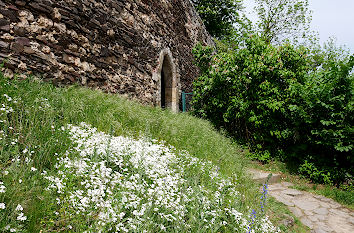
31,138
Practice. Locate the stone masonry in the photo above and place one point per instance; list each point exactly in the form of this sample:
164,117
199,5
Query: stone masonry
119,46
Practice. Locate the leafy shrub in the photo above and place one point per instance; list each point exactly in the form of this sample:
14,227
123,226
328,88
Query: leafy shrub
310,170
279,102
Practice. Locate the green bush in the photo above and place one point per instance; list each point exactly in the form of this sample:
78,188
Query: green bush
279,102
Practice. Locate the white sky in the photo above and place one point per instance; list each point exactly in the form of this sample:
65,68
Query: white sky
329,18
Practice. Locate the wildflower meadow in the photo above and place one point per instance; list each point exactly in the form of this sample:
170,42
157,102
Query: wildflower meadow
60,176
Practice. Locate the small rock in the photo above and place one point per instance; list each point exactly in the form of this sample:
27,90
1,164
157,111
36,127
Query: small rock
3,44
22,66
5,28
20,31
17,47
46,49
9,73
23,41
7,36
288,221
28,50
20,3
56,14
110,32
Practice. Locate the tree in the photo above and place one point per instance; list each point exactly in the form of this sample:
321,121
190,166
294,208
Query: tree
276,100
218,15
281,20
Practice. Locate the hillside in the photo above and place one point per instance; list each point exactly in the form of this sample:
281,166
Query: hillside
75,160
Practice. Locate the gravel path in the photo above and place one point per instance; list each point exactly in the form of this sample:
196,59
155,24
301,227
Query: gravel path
319,213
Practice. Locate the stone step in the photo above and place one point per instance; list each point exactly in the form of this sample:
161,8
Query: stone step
262,176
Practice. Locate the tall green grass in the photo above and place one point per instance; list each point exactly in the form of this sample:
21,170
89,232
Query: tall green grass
42,109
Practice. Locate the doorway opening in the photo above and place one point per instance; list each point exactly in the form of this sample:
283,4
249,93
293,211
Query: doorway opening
166,83
167,97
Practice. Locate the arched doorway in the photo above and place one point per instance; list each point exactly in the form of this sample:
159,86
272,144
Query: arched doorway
167,85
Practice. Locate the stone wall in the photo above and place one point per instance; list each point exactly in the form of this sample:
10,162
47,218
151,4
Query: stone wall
115,45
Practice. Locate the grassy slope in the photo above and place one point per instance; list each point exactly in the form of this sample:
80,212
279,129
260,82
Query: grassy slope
34,122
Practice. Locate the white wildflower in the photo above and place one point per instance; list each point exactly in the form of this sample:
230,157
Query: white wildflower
2,206
19,207
162,227
116,174
2,187
21,217
33,169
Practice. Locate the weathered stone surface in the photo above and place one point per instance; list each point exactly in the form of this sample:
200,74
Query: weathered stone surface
339,224
322,230
4,22
306,221
262,177
292,192
3,44
296,211
319,213
5,28
306,204
17,47
98,39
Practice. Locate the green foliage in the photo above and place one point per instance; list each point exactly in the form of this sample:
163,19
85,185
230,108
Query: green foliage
309,170
218,15
275,99
263,156
281,20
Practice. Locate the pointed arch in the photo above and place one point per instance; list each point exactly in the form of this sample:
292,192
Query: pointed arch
167,95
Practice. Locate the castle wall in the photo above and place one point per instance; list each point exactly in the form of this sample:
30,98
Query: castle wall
113,45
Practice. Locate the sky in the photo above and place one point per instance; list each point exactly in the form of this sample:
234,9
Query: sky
330,18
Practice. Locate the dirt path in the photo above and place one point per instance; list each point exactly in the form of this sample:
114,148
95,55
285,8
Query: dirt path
319,213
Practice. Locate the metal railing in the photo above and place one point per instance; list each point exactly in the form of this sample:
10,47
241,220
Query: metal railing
184,105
